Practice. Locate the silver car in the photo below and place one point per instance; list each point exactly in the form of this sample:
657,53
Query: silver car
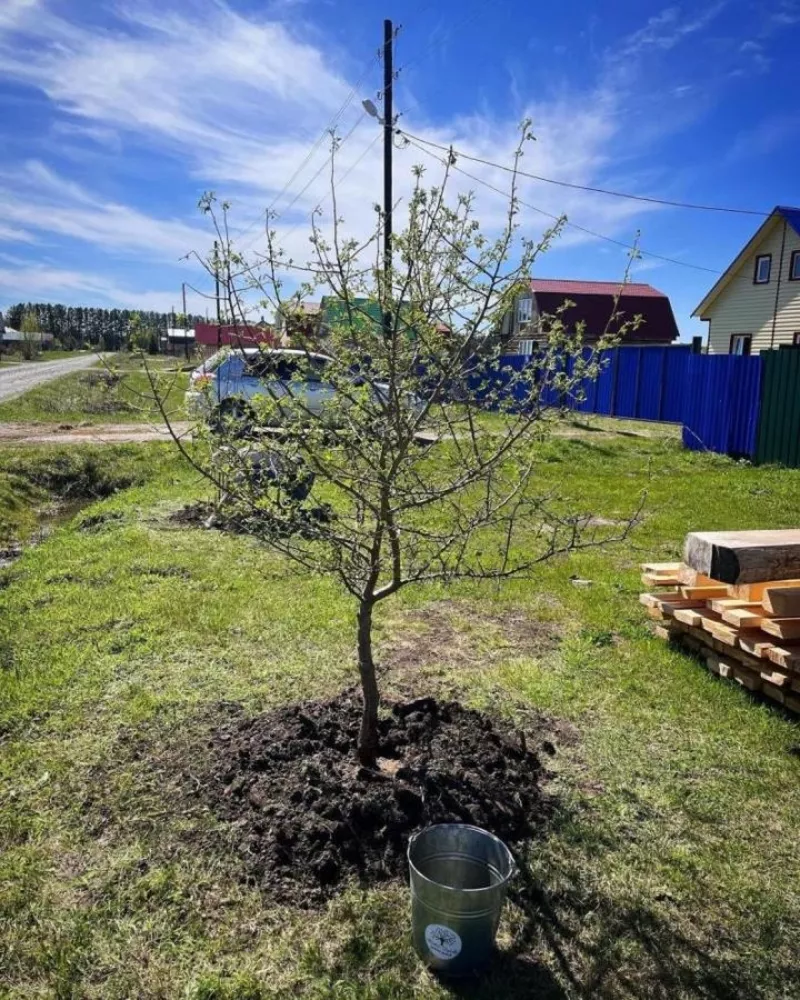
225,385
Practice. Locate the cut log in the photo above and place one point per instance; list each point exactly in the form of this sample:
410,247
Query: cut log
691,578
737,557
784,628
782,602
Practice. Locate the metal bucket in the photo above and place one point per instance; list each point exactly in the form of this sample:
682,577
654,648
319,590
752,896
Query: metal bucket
459,877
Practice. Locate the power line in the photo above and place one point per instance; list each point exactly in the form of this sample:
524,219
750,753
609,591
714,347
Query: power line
574,225
585,187
315,146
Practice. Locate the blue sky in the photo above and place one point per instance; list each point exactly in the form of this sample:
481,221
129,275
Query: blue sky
116,116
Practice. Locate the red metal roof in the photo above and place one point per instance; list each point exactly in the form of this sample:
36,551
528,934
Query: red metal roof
570,287
210,335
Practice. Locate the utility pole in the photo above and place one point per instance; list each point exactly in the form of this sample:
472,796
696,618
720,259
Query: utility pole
185,322
216,284
388,129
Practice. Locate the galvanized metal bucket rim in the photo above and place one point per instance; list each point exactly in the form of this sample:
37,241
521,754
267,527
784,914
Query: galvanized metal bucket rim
512,866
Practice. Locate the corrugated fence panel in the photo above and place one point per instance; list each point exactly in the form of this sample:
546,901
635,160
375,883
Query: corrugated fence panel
718,398
745,407
626,381
779,431
604,384
675,384
650,384
722,404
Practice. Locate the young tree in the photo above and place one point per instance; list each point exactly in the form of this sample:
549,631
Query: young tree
31,336
405,452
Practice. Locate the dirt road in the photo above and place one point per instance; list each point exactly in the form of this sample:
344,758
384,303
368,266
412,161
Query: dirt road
18,378
87,433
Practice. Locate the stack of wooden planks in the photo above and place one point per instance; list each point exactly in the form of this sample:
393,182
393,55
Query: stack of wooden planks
747,628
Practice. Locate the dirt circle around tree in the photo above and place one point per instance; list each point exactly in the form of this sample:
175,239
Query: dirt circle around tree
305,817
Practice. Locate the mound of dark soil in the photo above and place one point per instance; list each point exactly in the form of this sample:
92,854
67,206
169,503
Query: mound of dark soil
305,816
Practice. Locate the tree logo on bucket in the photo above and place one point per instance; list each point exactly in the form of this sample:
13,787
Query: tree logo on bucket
441,941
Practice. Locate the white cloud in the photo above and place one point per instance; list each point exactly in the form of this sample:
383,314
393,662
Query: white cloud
667,29
35,198
10,234
31,281
226,95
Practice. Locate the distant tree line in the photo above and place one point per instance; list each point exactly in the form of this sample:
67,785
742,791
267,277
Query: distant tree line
87,326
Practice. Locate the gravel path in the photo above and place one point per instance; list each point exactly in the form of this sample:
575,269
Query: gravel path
18,378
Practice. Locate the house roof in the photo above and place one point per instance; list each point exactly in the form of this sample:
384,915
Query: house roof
788,214
594,306
571,287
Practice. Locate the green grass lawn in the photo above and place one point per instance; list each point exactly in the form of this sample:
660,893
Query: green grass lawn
669,869
118,390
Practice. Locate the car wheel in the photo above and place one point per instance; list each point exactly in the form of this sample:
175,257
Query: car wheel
233,416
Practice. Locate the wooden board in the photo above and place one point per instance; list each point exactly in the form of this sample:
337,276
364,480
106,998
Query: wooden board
782,602
776,694
655,580
671,597
787,657
783,628
757,644
742,618
756,591
660,568
723,633
662,632
688,616
704,593
744,556
723,604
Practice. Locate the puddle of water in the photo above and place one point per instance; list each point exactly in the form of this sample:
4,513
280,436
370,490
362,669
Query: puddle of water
49,518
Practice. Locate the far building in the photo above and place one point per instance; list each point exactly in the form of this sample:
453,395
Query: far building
755,305
593,304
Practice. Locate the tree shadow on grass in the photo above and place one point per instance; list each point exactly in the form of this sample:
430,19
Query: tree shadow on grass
604,948
510,977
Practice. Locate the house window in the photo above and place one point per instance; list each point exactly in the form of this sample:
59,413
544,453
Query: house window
796,340
524,310
763,268
794,266
740,343
527,347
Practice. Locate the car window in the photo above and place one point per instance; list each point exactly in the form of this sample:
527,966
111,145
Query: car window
284,368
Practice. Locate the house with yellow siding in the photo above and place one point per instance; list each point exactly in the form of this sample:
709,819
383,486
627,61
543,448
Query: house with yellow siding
755,305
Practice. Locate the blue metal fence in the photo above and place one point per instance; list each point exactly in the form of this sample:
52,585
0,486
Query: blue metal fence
717,398
723,403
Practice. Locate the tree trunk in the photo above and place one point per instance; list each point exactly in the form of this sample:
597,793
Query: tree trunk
368,734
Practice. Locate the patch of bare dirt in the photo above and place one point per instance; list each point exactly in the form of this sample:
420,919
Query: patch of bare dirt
460,635
21,433
304,816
